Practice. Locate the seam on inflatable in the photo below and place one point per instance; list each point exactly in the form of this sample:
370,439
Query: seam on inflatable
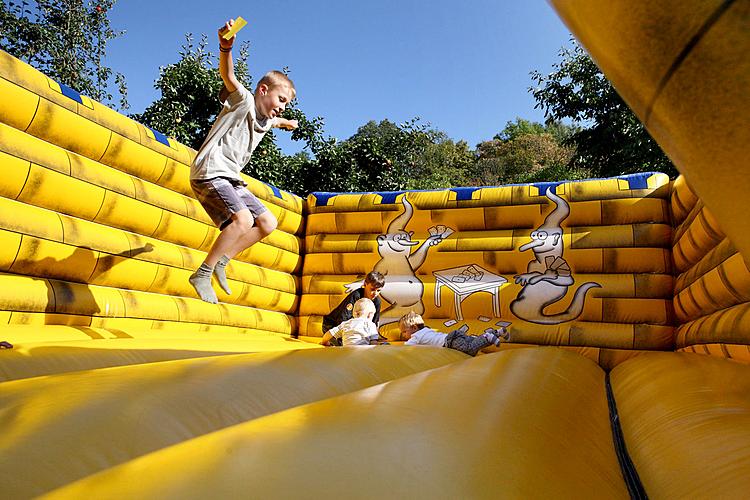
109,143
36,110
629,472
685,52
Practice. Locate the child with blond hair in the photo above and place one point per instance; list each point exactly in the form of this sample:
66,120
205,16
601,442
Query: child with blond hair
360,330
414,331
215,173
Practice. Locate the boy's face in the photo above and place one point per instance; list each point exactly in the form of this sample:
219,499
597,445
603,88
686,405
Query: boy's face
272,101
405,331
371,290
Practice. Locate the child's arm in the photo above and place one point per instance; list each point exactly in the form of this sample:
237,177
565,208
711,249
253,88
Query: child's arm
373,337
226,64
285,124
326,340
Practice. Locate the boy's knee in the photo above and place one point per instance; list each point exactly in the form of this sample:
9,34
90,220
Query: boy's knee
266,223
242,221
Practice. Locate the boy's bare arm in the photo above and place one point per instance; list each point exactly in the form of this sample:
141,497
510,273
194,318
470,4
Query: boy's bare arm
326,340
226,64
286,124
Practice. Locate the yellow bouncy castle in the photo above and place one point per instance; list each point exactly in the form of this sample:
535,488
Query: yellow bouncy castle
628,369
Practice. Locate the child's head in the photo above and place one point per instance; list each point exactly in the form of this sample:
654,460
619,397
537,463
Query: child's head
364,308
374,281
273,93
410,323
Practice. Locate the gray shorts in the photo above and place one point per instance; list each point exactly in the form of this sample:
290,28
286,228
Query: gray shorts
222,197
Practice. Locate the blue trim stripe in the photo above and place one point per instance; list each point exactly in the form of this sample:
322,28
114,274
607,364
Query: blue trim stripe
321,199
389,197
543,186
160,137
276,191
464,193
70,93
637,181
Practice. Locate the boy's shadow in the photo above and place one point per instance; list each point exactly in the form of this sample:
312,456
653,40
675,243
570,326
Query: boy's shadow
69,298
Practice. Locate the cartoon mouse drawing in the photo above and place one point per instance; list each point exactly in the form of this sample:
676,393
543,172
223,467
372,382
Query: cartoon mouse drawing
403,289
548,276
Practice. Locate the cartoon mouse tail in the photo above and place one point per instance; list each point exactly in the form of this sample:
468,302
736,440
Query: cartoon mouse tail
537,315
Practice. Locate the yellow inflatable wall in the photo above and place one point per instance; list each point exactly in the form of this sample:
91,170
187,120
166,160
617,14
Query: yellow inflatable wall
469,256
100,233
121,383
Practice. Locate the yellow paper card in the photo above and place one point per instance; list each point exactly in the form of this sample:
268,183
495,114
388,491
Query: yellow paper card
239,23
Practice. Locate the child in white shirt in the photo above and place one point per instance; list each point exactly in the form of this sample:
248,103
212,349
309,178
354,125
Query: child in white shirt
416,333
360,330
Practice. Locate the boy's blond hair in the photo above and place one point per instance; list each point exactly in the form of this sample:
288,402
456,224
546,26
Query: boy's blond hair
363,307
276,78
411,321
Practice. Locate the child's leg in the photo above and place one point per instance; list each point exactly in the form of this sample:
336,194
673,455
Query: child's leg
467,344
201,281
265,223
218,256
248,221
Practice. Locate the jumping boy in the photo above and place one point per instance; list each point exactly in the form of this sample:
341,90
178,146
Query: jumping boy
415,332
215,173
374,281
360,330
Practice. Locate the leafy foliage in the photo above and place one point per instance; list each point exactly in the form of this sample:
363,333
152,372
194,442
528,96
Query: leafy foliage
611,140
66,40
524,152
189,91
189,104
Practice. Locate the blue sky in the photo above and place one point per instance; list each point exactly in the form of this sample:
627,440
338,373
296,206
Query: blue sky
462,67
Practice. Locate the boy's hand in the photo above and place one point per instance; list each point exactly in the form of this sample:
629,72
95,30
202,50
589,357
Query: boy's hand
226,44
288,124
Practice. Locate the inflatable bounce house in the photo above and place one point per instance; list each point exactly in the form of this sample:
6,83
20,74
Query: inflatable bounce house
627,373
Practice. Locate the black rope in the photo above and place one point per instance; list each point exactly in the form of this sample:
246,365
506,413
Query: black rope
629,474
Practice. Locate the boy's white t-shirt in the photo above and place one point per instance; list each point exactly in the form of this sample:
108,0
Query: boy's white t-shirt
356,331
234,136
427,336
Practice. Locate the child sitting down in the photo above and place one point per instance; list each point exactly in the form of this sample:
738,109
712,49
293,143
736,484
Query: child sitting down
415,332
360,330
374,282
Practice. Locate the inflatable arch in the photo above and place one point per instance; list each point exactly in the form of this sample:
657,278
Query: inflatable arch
628,369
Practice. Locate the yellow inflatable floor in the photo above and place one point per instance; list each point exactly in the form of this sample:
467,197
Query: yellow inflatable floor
628,302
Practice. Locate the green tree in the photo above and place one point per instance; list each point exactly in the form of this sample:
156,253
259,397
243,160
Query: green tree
443,163
189,103
526,151
66,40
386,156
189,90
611,140
518,128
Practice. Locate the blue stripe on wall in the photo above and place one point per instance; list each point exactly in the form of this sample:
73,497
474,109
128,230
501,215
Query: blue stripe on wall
276,191
389,196
160,137
638,181
321,199
543,186
69,92
464,193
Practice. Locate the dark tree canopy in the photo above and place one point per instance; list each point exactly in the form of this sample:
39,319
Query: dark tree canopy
67,41
611,140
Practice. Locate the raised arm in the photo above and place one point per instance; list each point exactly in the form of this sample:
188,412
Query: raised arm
226,65
285,124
